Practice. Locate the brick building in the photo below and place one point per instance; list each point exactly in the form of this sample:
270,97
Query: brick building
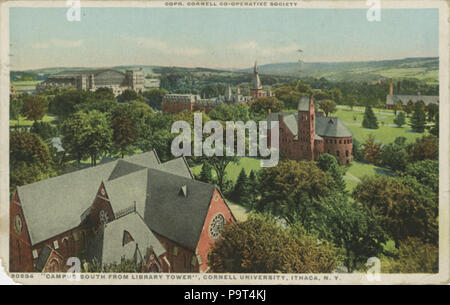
154,214
307,134
175,103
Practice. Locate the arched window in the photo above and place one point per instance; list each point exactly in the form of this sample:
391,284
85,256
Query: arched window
53,266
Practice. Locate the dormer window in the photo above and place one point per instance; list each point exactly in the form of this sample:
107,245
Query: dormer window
183,191
127,238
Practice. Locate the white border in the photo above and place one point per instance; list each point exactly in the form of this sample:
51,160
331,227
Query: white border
444,241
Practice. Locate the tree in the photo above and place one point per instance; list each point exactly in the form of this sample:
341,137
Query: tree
369,120
398,106
29,159
424,148
327,106
336,95
372,150
129,95
105,94
102,105
418,119
351,101
434,130
329,164
154,97
34,107
123,124
259,245
409,108
413,256
425,172
86,135
220,164
432,110
395,155
159,140
349,226
405,207
400,119
15,108
261,107
65,102
290,187
242,189
206,173
44,129
227,112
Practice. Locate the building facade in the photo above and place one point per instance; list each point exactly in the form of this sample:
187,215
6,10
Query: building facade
394,99
307,134
93,79
175,103
139,209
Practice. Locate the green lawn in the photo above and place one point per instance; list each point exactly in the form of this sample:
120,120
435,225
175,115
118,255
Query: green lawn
27,123
233,170
25,85
357,170
384,134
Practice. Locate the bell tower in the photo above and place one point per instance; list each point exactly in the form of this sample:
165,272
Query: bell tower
256,89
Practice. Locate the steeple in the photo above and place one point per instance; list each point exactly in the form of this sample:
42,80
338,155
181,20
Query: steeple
228,94
256,82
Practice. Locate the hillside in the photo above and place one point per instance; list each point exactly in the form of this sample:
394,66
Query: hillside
421,68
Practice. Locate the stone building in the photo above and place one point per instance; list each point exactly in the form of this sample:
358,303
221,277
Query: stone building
151,213
307,134
393,99
93,79
174,103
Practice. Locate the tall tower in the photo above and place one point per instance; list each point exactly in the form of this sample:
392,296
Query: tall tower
306,127
256,88
228,95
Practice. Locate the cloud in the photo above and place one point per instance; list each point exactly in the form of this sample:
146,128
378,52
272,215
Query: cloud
57,43
163,47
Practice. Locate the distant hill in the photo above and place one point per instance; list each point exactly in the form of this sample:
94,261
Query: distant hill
425,68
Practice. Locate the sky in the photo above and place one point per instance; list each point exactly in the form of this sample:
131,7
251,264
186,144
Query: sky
215,38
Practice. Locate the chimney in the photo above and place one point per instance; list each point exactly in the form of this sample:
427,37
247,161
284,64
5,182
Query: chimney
391,89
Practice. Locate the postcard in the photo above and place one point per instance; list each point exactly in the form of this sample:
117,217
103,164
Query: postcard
224,142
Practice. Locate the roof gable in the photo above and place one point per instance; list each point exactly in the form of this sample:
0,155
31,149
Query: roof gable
179,218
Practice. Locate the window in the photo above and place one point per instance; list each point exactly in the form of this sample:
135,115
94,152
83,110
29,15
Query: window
56,245
35,254
175,250
346,153
335,142
216,226
337,153
340,141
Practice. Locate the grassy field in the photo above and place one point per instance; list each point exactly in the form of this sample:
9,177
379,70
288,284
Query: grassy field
25,85
385,134
233,170
23,122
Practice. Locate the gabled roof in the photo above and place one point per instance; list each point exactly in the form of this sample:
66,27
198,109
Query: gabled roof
331,127
427,99
108,248
324,126
53,206
176,217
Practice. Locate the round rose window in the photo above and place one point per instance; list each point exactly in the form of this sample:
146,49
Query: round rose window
216,226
